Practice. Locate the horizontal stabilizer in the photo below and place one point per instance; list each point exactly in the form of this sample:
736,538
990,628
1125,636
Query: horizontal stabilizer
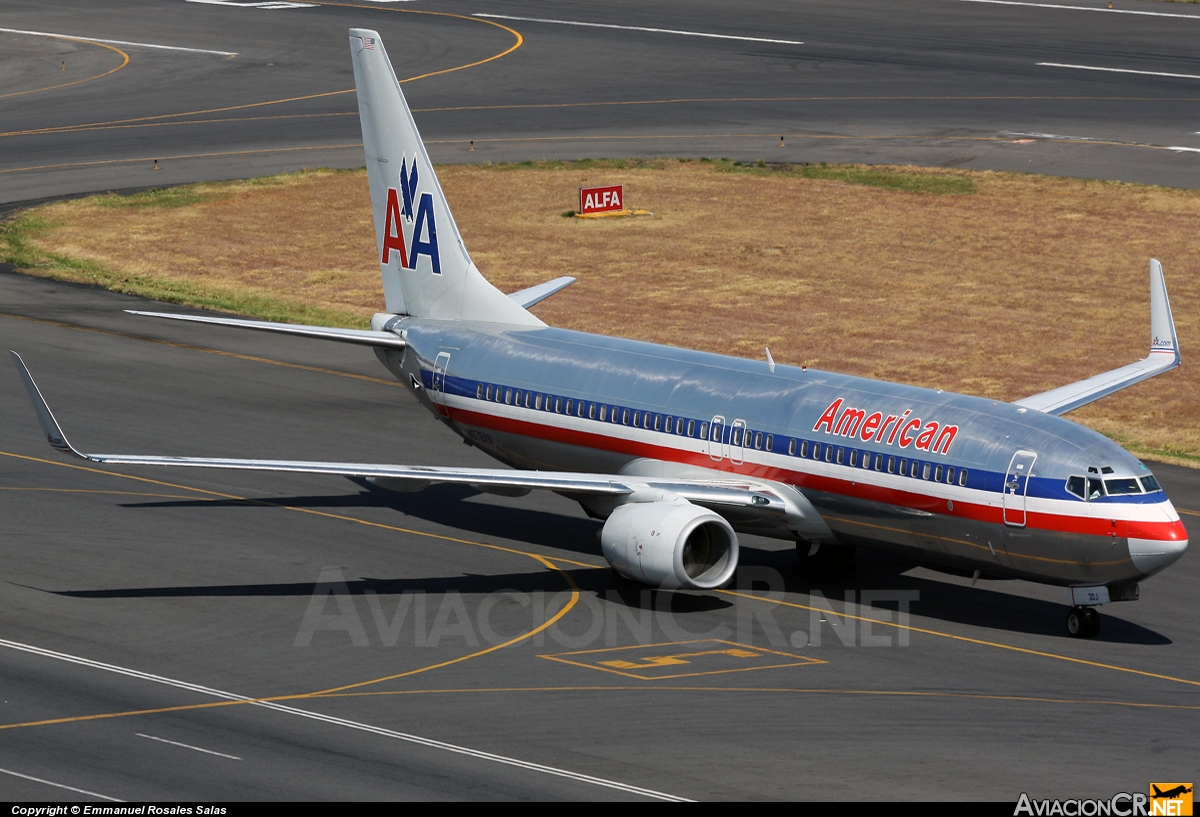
363,337
1164,356
528,297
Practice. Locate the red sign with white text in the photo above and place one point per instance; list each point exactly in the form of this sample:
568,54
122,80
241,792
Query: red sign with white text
601,199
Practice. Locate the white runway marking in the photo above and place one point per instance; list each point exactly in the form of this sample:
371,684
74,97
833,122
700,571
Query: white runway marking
1119,70
118,42
61,786
639,28
187,746
362,727
1060,137
1084,8
269,4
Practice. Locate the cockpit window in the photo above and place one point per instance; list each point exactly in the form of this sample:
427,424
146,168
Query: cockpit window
1150,484
1076,485
1117,487
1095,489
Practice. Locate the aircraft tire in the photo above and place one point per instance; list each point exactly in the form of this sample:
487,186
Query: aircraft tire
1083,622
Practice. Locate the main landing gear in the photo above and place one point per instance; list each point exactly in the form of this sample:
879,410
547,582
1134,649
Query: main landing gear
1083,622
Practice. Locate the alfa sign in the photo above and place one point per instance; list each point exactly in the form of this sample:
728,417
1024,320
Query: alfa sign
601,199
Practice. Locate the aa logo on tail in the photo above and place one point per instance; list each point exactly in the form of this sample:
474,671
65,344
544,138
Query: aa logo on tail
406,210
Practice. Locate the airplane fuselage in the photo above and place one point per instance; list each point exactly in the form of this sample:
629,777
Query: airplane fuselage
944,478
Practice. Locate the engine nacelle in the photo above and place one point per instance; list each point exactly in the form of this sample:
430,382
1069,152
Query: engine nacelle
670,544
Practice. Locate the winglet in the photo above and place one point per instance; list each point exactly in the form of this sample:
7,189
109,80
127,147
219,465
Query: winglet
1163,340
50,427
1164,356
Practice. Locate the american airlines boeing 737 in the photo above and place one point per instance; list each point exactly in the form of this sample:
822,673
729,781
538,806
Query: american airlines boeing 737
679,450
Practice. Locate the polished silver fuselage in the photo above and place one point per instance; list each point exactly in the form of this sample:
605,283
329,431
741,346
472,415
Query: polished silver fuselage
991,496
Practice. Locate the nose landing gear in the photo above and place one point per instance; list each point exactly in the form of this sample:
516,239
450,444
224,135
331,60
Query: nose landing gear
1083,622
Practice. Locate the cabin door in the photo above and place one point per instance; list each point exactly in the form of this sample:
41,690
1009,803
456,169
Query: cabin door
1016,486
716,438
438,390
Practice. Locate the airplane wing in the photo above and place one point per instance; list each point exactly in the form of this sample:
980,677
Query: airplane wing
1164,355
761,497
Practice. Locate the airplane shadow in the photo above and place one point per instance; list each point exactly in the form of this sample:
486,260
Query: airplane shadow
441,505
979,606
872,571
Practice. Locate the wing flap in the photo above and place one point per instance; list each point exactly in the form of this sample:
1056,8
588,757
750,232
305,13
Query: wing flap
1164,356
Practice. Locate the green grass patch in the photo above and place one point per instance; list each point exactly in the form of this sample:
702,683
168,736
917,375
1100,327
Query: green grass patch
164,197
908,181
16,248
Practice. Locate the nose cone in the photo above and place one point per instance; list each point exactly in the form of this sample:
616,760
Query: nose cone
1152,555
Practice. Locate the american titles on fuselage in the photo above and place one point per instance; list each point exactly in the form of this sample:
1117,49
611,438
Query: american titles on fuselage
899,430
403,207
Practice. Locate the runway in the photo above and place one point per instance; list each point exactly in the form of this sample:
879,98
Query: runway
178,635
956,83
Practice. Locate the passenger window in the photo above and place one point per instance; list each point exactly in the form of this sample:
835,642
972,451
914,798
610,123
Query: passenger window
962,477
816,451
950,475
758,440
770,442
637,419
489,392
804,448
508,396
528,399
937,474
924,471
570,405
558,405
669,425
1075,485
879,462
903,468
603,413
853,457
479,392
658,422
841,453
792,447
537,402
829,453
625,416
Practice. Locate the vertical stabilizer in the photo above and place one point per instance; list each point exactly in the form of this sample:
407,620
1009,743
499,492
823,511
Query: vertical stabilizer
426,270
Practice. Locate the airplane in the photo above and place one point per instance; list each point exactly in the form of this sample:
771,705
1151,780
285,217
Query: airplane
1170,794
678,450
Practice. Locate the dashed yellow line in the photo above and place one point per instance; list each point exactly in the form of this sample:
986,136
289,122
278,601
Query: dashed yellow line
124,62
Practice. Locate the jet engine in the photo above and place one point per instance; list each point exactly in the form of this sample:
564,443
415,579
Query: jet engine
670,543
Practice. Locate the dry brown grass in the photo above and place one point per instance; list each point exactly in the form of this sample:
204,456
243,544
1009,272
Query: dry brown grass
1028,283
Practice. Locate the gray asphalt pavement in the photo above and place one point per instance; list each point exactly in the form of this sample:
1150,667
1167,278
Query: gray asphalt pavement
180,635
